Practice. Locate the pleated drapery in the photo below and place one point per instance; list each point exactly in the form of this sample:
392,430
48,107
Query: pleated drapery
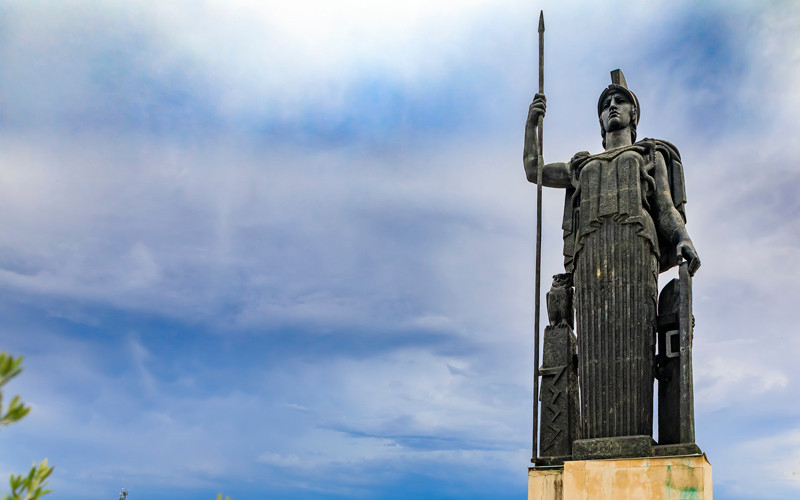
616,290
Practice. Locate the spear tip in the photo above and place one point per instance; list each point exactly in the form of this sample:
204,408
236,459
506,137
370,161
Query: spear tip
541,21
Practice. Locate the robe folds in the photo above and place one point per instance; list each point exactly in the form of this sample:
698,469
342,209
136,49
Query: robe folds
615,253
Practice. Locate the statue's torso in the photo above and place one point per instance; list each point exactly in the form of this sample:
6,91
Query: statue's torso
616,185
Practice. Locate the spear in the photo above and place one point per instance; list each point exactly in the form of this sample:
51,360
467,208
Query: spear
537,304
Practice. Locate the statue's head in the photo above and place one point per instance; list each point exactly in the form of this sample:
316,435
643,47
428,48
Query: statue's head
618,107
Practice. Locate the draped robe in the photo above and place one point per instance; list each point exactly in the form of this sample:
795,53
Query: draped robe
615,252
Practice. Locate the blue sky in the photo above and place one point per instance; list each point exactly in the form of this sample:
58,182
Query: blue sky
285,250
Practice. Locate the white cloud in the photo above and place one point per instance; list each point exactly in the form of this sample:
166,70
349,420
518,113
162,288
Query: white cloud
734,380
434,235
775,459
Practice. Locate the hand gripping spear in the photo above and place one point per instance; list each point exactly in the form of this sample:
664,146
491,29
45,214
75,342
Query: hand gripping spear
536,301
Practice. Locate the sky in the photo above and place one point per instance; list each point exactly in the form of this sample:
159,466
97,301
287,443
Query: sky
285,249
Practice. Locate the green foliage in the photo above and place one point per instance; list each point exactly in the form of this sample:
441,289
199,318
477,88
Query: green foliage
219,497
30,486
10,367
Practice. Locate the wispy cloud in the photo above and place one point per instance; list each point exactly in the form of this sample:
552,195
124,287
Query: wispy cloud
243,241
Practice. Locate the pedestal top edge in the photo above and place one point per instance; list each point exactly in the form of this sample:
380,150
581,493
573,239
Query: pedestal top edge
652,459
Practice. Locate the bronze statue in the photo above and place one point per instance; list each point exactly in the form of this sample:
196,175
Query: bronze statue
623,224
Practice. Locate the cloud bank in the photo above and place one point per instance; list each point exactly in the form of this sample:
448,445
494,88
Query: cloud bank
287,250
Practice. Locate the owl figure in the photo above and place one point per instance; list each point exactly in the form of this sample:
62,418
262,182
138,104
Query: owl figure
559,301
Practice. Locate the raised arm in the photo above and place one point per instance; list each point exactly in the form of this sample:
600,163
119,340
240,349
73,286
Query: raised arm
554,174
669,221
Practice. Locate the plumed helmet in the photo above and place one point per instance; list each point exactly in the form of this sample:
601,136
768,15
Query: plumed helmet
618,84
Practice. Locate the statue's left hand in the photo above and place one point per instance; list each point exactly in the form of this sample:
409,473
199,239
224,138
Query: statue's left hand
685,250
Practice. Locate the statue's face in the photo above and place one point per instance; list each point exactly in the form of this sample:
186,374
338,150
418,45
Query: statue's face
617,112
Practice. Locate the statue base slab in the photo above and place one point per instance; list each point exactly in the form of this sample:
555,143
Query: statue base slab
671,450
656,478
613,447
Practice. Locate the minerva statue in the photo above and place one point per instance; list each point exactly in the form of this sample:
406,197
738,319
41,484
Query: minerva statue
623,224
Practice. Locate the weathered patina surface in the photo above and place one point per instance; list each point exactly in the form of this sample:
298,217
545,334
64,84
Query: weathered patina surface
559,389
658,478
623,224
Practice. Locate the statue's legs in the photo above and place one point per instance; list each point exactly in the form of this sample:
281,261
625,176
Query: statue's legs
616,286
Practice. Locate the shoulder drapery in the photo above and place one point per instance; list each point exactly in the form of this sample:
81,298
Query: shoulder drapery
648,149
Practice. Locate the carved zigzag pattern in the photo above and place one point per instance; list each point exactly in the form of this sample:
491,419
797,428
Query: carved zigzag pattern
550,401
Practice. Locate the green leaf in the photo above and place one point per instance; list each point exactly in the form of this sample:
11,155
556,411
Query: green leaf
31,486
10,367
16,411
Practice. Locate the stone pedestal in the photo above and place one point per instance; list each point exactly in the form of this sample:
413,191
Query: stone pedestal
546,484
655,478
